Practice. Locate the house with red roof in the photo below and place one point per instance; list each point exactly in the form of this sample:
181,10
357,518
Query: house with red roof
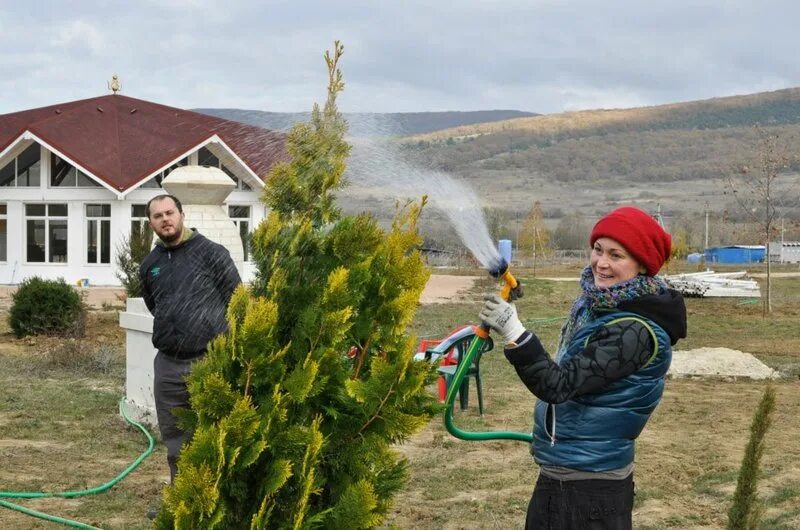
75,178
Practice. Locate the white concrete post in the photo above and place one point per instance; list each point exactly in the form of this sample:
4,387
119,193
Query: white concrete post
137,322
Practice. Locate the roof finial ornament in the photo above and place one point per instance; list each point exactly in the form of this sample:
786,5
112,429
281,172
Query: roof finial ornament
114,85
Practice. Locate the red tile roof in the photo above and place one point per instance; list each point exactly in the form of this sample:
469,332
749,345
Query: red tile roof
121,140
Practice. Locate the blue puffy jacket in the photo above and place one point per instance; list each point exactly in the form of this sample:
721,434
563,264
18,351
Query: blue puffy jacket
596,398
596,431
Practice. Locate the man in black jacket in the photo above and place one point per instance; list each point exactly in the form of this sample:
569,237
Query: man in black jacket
187,282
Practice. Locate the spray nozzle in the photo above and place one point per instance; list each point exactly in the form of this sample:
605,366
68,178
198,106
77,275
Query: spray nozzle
511,288
499,268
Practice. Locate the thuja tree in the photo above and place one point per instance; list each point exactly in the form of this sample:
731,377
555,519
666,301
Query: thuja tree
296,409
745,511
130,254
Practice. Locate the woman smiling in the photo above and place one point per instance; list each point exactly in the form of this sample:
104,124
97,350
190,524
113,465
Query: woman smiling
607,377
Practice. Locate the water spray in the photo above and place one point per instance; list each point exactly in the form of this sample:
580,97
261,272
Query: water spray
379,165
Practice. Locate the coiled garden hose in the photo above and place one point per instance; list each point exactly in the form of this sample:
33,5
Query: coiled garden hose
78,493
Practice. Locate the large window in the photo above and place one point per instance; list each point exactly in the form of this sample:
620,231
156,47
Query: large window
65,175
155,182
46,233
138,217
241,217
3,232
206,158
24,170
98,233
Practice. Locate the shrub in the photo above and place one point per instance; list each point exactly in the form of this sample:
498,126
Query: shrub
746,510
297,408
46,307
130,253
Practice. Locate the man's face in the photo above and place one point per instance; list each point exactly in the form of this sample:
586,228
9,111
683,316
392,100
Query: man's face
166,221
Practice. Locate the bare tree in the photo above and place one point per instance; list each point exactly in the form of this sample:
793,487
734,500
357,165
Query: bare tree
754,187
535,237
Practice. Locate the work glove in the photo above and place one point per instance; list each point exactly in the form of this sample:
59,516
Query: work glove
502,317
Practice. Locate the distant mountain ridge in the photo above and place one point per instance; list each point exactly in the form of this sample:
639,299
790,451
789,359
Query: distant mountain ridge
382,124
775,108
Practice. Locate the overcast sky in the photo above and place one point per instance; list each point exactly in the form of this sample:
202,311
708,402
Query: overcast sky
540,56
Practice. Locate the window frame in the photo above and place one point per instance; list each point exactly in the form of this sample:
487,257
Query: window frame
240,184
136,218
100,221
246,251
54,157
4,217
46,218
15,163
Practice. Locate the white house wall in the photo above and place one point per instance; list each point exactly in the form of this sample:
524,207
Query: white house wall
15,269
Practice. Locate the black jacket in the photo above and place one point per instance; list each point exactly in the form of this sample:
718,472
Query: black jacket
617,351
187,289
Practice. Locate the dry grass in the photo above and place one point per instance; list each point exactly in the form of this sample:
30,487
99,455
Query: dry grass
59,429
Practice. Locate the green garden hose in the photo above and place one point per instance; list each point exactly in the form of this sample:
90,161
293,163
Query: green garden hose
463,366
78,493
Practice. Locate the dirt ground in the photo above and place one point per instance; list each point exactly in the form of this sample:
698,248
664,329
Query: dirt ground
687,458
443,288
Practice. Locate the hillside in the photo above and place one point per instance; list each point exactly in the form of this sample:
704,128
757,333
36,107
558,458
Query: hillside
671,158
368,124
767,108
673,155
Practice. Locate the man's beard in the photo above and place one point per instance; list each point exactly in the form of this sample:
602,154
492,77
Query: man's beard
169,240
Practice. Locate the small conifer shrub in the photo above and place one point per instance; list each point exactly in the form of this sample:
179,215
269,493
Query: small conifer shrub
46,307
296,409
130,253
746,510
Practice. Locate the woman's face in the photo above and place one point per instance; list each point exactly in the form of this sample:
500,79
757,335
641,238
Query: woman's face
612,264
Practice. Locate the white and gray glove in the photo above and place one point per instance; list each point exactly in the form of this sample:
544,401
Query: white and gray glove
502,317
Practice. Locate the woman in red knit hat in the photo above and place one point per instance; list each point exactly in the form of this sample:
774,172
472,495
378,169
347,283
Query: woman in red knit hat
607,377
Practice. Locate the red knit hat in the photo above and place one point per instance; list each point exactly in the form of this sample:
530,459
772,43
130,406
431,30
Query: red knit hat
639,233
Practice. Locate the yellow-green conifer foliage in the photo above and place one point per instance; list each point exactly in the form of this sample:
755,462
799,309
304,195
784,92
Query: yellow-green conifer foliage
295,410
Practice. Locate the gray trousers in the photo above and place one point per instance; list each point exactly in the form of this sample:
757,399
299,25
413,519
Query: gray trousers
170,392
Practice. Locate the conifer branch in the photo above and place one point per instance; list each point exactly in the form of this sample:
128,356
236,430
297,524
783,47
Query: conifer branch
249,376
362,353
378,410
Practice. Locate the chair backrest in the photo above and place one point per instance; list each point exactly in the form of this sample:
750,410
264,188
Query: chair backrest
455,346
452,347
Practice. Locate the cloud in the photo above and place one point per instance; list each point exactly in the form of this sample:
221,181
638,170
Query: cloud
542,56
81,36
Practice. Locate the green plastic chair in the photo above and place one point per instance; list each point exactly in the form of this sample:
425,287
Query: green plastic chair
455,346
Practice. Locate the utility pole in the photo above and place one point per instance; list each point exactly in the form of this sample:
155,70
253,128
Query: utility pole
782,231
658,216
706,238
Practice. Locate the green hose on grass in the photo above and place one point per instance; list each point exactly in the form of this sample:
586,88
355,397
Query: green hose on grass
78,493
463,366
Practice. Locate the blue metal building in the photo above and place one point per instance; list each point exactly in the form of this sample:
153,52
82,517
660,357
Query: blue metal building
735,254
